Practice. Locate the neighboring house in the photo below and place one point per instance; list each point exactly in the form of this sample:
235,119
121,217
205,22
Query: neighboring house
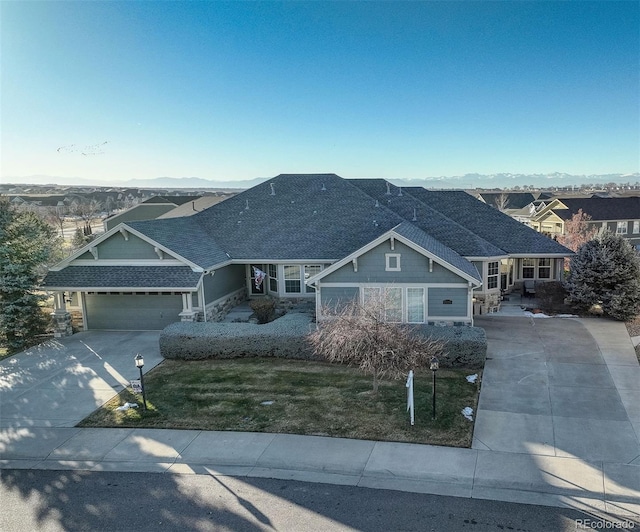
195,206
437,255
618,215
518,205
147,210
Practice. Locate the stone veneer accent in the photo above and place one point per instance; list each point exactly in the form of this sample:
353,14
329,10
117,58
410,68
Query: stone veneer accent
61,323
221,308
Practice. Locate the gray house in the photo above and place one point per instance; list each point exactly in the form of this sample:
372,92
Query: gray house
437,255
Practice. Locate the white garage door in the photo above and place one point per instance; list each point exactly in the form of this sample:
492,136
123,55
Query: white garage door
141,312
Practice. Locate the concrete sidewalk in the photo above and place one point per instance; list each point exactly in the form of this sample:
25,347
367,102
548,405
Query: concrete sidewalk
604,484
594,487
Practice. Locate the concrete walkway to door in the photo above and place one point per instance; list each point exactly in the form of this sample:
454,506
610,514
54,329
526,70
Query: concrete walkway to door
60,382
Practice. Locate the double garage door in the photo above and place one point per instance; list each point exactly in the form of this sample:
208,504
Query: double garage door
131,312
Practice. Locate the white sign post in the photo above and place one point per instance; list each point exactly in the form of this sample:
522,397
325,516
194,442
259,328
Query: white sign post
410,396
136,385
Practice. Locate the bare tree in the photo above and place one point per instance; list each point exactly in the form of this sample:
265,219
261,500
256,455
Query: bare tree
56,217
87,209
502,201
358,334
577,232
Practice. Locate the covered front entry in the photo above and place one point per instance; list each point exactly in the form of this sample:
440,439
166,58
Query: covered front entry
131,312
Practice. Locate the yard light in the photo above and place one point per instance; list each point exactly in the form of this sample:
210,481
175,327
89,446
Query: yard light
434,365
139,359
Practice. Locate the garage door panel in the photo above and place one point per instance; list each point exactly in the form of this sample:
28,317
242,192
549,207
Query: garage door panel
132,312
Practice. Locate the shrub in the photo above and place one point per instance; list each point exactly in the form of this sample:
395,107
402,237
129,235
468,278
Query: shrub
606,272
464,347
551,296
286,337
264,308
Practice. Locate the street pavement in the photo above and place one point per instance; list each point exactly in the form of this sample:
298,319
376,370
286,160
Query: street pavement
542,438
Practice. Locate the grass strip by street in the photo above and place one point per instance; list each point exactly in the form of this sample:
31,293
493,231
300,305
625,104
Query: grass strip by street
311,398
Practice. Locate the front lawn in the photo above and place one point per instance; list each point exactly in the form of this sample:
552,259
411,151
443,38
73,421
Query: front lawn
312,398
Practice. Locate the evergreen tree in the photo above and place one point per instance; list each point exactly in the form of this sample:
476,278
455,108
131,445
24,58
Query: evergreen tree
606,271
26,244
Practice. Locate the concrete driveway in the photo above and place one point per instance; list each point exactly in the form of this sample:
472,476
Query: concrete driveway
549,388
60,382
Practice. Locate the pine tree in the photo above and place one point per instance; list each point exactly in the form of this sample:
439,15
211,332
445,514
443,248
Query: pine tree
26,244
606,271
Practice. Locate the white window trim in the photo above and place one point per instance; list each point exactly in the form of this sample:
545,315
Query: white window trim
622,228
495,275
636,227
424,303
299,279
387,262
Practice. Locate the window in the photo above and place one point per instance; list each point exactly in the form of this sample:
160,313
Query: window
392,262
621,229
636,227
309,271
528,268
393,305
415,305
292,279
392,301
273,278
544,268
493,270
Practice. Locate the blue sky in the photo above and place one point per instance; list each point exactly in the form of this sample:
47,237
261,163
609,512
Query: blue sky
391,89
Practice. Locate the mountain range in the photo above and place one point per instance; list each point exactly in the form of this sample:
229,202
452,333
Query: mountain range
467,181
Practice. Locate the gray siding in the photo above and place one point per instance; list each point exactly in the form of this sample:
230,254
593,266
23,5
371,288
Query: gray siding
86,256
224,281
458,297
116,247
414,268
331,297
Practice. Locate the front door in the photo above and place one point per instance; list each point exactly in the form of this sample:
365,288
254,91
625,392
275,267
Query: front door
258,276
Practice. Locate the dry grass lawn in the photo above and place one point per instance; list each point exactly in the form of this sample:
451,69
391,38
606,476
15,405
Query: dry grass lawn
311,398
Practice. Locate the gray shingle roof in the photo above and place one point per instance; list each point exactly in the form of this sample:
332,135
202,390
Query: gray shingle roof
453,235
307,217
488,223
323,216
185,237
601,209
316,217
427,242
109,277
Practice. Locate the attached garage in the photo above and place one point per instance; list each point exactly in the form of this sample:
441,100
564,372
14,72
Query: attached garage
133,312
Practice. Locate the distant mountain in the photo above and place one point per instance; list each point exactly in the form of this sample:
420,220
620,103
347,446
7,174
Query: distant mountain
507,180
190,182
467,181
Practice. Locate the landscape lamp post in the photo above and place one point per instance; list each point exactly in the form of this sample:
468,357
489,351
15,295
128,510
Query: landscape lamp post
433,366
140,364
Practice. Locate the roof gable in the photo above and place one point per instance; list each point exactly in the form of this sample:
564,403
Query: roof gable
420,242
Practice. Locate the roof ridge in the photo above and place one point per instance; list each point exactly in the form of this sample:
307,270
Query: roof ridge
484,243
